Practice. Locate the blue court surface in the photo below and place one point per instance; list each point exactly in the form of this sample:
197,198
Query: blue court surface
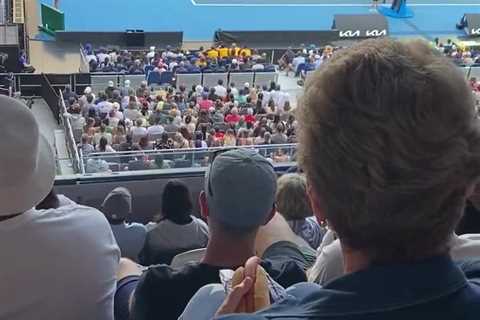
198,19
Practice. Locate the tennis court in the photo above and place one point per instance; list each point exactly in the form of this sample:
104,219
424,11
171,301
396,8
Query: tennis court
198,19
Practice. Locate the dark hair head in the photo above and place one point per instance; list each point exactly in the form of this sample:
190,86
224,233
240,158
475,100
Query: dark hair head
177,204
102,144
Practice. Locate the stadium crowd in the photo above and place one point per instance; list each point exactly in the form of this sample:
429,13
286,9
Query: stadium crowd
461,55
219,58
385,189
129,119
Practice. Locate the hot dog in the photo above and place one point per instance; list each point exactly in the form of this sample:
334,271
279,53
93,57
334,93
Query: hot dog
259,298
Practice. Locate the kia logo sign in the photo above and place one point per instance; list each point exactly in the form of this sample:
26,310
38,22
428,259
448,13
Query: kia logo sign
376,33
366,34
475,32
349,34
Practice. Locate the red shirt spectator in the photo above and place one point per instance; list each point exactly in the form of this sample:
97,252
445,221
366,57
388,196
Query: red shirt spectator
205,104
232,118
250,118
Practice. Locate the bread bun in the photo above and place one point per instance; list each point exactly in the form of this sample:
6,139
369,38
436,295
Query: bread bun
259,298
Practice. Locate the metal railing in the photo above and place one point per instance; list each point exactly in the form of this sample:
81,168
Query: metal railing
177,158
84,65
69,137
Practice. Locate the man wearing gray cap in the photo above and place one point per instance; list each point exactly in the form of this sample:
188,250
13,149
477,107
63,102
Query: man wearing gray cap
130,237
238,199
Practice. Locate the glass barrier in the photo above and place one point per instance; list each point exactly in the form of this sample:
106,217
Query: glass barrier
176,158
69,137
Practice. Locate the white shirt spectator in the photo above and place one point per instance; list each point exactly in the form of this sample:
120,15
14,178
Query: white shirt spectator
101,57
234,91
266,97
104,107
258,66
297,61
58,264
275,96
108,148
118,115
151,53
155,130
220,91
77,121
139,131
132,114
172,65
329,263
282,98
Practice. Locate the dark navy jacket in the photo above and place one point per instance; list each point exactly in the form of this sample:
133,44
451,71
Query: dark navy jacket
435,289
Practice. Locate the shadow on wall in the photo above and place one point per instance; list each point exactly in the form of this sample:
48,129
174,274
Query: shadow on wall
54,57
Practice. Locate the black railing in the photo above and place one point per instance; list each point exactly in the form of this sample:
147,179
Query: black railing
50,96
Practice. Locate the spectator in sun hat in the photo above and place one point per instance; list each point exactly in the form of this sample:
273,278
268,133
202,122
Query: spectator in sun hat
47,253
130,237
234,219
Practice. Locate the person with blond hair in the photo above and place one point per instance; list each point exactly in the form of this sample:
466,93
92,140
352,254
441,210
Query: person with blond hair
293,203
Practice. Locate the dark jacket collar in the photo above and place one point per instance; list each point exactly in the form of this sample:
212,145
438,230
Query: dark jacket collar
384,288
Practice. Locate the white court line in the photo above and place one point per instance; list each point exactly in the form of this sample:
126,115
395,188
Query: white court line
326,4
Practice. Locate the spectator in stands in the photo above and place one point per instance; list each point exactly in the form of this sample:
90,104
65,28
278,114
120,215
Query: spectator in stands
397,213
232,237
233,117
234,90
293,203
103,106
259,65
205,102
220,90
102,55
104,146
151,54
50,252
138,131
164,143
132,112
85,146
180,142
88,105
177,230
199,142
141,90
279,137
77,121
229,140
155,130
145,144
102,134
107,66
136,68
110,89
130,237
118,136
24,66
